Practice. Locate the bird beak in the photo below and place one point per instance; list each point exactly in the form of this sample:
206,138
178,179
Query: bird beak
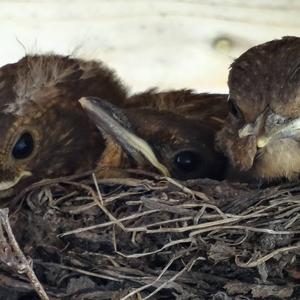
6,185
270,126
253,128
248,129
289,129
113,122
262,142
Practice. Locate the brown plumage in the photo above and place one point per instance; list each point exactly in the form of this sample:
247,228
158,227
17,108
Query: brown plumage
179,127
44,131
262,132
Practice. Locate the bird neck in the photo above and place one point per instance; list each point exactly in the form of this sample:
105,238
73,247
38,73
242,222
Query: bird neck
112,159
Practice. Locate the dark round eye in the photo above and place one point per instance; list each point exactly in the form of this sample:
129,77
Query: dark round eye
186,161
234,109
23,147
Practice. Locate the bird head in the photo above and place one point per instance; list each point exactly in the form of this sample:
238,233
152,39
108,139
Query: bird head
262,132
44,131
172,131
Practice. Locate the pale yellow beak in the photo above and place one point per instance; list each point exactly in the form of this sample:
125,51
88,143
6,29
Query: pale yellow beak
6,185
290,129
262,142
106,118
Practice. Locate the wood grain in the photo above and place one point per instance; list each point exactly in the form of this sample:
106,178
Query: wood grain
165,43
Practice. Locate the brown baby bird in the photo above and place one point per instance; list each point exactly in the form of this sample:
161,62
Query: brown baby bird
44,131
262,132
172,131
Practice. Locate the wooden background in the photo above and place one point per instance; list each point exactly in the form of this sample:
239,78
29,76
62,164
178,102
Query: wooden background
164,43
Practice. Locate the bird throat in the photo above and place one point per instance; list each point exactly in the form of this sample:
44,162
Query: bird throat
112,158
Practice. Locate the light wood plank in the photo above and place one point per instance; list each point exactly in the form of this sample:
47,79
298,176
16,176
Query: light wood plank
165,43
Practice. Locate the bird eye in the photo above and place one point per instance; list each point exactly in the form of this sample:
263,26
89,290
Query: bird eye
234,109
186,161
23,147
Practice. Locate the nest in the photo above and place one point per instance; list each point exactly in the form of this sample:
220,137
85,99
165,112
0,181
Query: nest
151,238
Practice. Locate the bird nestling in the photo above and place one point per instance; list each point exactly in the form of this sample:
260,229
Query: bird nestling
172,131
44,131
262,131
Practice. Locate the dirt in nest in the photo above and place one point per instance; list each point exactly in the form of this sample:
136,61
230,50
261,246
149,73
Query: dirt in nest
151,238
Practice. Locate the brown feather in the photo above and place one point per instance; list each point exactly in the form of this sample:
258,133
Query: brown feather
262,133
177,124
39,95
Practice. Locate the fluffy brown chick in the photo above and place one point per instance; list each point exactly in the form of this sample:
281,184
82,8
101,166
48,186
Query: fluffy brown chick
174,131
262,133
44,131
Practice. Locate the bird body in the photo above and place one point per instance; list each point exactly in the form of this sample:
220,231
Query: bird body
44,131
262,132
178,127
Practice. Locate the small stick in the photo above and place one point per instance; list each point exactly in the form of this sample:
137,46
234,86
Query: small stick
23,265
